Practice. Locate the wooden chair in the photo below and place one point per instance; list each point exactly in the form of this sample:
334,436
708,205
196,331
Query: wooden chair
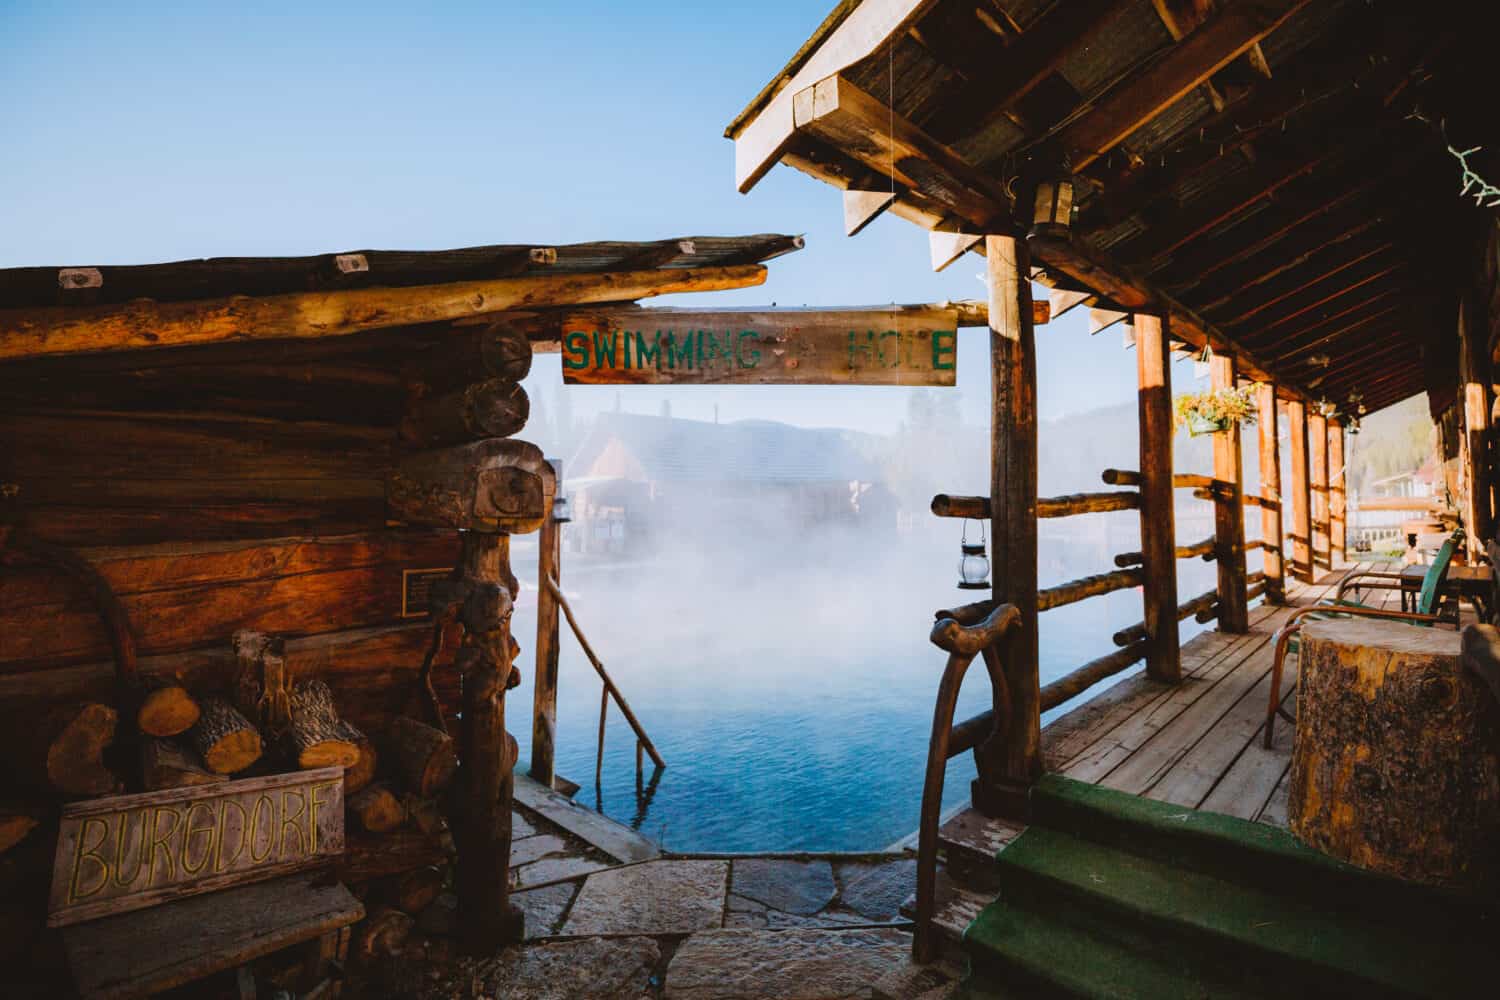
1426,615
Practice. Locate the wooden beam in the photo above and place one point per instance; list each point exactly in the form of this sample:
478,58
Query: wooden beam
1317,485
1166,80
862,207
840,114
762,135
996,85
1181,18
1296,419
1270,490
1130,291
945,248
1007,768
1158,521
146,324
544,680
1229,510
1338,533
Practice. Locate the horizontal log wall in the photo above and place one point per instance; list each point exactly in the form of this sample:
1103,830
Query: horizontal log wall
214,490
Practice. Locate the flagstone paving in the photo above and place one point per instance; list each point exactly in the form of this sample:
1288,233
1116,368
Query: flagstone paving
739,928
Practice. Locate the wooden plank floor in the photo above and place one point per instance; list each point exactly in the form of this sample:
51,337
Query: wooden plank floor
1198,744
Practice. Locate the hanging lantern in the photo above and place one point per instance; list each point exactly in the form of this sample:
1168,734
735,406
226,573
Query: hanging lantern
1052,213
973,564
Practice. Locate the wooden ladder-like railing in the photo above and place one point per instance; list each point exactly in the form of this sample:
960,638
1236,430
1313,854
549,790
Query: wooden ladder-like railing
963,636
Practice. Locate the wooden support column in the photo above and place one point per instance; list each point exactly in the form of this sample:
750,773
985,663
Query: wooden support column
486,778
1158,521
1296,419
1270,490
1011,760
1317,484
544,679
1229,511
1338,531
1474,371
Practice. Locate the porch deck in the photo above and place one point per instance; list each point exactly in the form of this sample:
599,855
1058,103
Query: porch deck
1195,744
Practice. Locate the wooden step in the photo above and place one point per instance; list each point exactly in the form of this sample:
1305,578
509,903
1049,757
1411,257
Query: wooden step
968,843
957,906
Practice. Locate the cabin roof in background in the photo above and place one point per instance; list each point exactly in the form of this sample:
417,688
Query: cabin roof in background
219,277
1271,173
672,450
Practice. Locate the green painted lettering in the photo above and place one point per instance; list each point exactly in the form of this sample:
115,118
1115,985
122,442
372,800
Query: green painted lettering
575,350
604,350
855,347
648,357
754,353
678,353
943,349
894,360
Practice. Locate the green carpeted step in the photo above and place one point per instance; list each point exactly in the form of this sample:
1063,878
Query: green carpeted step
1258,929
1017,950
1237,850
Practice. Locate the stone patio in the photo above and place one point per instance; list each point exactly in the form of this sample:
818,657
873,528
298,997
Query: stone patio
804,927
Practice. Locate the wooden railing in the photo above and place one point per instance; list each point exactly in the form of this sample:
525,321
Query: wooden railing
963,637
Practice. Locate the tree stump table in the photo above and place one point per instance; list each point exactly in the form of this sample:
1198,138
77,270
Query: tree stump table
1396,766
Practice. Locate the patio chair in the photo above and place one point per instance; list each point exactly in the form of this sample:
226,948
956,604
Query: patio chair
1428,601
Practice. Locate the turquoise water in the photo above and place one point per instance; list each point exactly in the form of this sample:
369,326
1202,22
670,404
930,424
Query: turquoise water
792,704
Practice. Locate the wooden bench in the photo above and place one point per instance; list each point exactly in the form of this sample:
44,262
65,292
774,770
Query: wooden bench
143,952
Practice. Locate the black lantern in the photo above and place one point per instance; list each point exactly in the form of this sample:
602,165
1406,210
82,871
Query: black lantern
1052,212
973,564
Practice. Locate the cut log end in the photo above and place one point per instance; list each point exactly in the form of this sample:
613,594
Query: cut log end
75,753
420,755
168,764
328,753
15,823
383,934
376,809
224,738
167,711
362,771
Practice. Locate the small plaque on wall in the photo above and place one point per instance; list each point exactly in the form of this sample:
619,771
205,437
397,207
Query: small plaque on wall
416,589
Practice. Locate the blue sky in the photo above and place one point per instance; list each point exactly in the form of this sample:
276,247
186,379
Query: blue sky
146,132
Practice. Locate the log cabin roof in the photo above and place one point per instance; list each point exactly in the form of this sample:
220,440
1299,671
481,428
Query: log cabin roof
69,310
1272,174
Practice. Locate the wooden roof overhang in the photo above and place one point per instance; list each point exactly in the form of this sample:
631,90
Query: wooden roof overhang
1269,173
360,301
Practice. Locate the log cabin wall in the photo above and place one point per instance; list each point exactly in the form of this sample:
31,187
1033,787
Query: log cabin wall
213,494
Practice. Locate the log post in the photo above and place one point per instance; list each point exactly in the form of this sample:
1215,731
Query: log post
1158,522
1338,530
1296,420
486,784
1229,511
1474,371
544,679
1270,489
1317,484
1011,760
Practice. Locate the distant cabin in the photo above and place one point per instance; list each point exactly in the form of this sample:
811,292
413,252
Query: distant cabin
643,483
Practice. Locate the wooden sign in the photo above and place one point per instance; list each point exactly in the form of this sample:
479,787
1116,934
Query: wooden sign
126,852
902,345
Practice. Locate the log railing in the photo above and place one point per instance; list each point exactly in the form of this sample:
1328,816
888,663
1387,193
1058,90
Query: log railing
963,638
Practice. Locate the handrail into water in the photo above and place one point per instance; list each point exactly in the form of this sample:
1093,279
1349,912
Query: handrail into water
610,690
962,641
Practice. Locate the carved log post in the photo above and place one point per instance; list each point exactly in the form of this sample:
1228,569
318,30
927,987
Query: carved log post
486,784
1011,760
544,679
1270,490
1158,519
1296,419
1338,531
1474,371
1229,511
487,490
1317,485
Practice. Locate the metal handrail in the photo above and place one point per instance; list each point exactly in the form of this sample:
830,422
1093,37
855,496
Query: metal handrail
962,641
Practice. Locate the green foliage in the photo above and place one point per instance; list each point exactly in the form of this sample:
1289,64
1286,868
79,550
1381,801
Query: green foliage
1392,442
1219,406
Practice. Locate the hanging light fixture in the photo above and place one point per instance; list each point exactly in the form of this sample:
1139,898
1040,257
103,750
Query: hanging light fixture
973,564
1052,212
562,509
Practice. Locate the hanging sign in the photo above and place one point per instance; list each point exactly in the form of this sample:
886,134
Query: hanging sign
904,345
125,852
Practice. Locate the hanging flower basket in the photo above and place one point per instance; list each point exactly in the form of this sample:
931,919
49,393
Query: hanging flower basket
1212,412
1198,425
